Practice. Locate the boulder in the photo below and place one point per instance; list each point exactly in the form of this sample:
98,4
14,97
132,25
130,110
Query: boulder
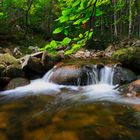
17,82
4,81
129,57
123,75
71,75
9,66
13,71
49,60
132,89
32,66
7,59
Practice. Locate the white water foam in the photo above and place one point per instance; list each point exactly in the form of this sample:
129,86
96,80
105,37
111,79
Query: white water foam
102,88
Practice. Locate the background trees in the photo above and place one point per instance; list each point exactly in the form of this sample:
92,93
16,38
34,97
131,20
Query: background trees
73,21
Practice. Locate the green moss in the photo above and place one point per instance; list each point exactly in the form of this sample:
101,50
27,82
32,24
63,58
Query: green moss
128,56
7,59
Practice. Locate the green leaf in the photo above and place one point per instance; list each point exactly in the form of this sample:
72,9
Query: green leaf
66,41
66,32
78,21
66,12
58,30
76,3
80,35
53,43
63,19
98,12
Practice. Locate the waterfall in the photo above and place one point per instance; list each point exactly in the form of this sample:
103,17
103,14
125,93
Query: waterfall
95,75
106,75
99,84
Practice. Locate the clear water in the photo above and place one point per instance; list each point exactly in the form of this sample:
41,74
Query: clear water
47,111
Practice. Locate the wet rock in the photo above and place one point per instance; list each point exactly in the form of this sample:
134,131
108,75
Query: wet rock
13,71
32,66
129,57
17,82
4,81
49,60
133,89
71,75
123,75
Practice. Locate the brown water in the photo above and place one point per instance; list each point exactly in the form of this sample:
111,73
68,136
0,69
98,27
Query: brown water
49,118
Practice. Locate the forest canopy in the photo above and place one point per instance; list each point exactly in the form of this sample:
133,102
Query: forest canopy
71,22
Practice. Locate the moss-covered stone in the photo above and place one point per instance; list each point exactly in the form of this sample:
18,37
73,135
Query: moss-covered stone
129,57
13,71
7,59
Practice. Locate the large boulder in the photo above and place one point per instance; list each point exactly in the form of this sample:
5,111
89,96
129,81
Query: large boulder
70,75
129,57
123,75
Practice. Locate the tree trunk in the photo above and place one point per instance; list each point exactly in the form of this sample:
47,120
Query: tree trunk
130,19
115,19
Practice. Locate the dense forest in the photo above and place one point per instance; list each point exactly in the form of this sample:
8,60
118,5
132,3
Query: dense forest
69,22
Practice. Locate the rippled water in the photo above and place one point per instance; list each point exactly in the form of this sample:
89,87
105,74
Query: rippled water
71,114
47,111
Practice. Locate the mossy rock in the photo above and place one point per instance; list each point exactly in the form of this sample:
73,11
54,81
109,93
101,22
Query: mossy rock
7,59
13,71
129,57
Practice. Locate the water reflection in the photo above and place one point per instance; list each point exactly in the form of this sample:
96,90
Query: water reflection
48,118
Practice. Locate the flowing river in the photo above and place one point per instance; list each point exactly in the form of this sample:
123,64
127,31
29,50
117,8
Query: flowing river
44,110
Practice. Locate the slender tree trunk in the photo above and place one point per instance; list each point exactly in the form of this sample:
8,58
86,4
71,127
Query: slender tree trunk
130,19
29,4
115,19
102,25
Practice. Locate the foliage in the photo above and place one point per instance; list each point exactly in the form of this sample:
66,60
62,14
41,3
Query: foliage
70,23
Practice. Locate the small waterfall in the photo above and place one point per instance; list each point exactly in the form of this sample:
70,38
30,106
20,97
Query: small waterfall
98,83
106,75
94,75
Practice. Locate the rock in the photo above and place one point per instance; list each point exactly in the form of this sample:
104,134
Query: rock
133,89
17,82
49,60
9,66
123,75
32,66
71,75
2,68
13,71
129,57
7,59
4,81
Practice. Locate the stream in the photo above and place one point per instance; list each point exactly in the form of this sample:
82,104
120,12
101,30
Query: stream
44,110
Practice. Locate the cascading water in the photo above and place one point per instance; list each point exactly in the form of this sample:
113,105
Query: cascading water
100,80
99,86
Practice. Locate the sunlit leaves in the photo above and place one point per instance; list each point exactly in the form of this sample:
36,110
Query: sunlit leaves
58,30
